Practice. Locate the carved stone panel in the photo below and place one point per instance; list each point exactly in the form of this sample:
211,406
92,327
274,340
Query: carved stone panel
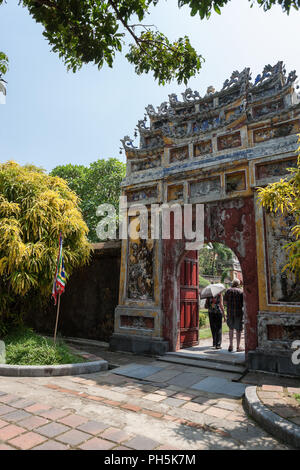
146,164
283,332
179,154
275,169
175,192
283,287
152,141
140,270
137,322
261,135
202,148
277,332
267,108
142,194
206,187
229,141
235,181
267,133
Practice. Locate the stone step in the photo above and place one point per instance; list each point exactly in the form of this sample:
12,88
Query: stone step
222,358
203,364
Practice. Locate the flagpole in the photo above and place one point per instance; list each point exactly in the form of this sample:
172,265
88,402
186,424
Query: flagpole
57,315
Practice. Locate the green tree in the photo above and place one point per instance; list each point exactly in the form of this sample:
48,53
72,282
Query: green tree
223,259
84,31
284,197
3,70
3,64
97,184
215,259
34,209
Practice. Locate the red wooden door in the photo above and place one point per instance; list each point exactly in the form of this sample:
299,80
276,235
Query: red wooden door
189,300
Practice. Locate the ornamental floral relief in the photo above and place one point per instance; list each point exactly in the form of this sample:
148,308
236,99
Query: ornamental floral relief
274,169
179,154
142,194
283,285
148,164
206,187
138,323
235,182
202,148
229,141
140,270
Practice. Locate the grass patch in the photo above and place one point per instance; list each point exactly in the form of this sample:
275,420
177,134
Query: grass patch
204,311
297,396
205,333
25,347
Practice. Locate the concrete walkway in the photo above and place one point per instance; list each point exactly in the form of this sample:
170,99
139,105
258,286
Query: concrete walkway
171,407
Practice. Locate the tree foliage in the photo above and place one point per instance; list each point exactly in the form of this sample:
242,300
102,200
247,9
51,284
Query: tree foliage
94,31
34,209
284,196
215,259
97,184
3,64
205,7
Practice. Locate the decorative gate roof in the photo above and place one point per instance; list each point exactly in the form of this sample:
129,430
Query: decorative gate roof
265,108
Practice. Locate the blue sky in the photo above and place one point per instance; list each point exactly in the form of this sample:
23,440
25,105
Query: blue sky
54,117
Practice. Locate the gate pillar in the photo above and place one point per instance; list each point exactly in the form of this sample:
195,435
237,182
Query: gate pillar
138,317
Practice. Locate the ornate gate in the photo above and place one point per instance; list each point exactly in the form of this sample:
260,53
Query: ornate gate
213,150
189,300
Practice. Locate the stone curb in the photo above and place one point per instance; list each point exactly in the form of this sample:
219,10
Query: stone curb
276,425
51,371
87,342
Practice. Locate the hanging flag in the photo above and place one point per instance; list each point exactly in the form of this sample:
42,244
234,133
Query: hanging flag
59,282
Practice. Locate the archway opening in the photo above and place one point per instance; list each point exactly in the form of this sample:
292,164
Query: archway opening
213,263
233,224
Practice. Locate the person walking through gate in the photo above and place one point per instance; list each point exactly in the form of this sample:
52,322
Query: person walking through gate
234,299
215,312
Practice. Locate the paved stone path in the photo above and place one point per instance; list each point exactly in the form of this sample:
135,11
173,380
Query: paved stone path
25,424
281,401
197,378
111,411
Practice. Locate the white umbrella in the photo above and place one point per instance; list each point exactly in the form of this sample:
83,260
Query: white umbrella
212,290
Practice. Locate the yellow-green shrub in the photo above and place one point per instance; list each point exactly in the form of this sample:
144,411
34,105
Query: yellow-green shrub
34,209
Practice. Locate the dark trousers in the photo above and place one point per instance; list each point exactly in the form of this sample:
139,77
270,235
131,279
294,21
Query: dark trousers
215,321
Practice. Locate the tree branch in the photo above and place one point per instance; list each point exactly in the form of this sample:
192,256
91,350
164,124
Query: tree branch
114,6
142,25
